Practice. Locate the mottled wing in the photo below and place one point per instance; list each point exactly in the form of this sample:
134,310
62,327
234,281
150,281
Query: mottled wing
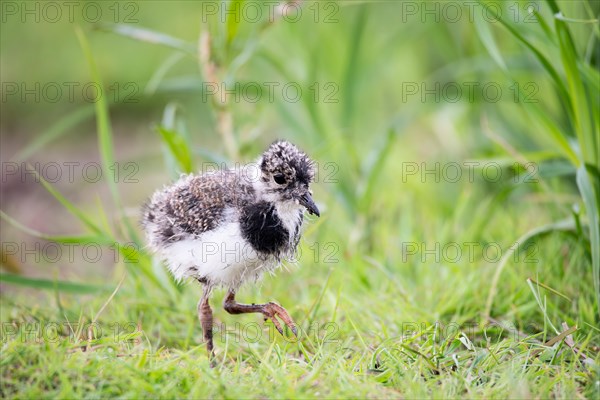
193,205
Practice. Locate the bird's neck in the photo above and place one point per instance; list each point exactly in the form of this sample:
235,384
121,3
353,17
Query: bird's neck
290,215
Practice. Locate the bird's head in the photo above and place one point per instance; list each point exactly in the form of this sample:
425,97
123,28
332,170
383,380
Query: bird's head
286,173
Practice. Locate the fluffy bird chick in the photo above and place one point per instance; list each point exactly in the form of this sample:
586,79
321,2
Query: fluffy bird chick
227,227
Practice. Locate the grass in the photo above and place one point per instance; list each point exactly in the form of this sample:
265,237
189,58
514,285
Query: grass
369,337
408,285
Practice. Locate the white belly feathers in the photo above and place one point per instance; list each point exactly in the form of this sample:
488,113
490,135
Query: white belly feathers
221,255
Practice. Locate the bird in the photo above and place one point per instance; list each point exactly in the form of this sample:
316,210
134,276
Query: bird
226,227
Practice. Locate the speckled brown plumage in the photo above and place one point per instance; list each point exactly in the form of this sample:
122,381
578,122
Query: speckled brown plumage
194,205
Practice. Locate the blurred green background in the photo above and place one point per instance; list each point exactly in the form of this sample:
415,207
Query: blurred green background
457,146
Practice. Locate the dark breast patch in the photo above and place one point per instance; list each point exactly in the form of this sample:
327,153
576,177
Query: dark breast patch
262,227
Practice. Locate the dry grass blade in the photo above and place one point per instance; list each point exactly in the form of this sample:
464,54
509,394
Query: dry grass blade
548,288
555,340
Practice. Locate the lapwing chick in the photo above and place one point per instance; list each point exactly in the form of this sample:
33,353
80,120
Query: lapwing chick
227,227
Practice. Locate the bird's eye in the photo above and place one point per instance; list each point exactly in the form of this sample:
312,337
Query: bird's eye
279,179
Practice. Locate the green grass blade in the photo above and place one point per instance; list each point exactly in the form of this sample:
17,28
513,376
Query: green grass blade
103,126
352,65
537,53
80,239
581,114
591,202
233,20
541,304
564,225
133,257
553,6
161,71
148,36
173,135
178,148
80,215
63,286
545,128
577,21
105,136
60,128
487,38
544,25
374,168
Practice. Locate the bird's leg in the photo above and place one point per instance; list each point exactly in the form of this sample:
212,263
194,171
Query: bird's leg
269,310
206,320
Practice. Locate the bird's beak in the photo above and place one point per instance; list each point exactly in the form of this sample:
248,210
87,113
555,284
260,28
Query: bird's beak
307,201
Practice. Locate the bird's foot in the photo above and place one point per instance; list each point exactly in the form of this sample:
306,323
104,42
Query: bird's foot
272,310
